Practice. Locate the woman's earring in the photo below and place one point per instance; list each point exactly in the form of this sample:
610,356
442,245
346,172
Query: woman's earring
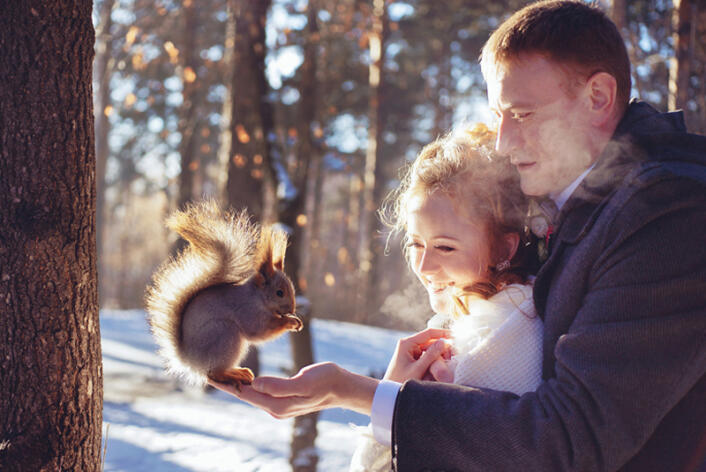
503,266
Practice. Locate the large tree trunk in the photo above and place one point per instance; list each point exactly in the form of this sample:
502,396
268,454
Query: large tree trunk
103,73
50,361
680,68
249,171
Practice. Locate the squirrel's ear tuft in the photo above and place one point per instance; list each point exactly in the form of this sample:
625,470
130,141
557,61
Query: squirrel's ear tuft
279,248
273,248
278,263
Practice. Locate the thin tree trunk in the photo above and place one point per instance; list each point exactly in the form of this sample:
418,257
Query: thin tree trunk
316,252
303,456
618,13
443,112
349,260
633,44
249,171
103,71
680,68
50,362
225,135
372,181
249,118
188,117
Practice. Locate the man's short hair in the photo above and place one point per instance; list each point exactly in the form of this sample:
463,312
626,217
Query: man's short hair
568,32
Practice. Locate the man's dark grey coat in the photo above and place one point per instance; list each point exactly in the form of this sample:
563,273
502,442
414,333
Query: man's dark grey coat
623,299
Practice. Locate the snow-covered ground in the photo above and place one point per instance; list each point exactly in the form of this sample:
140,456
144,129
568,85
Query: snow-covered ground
154,423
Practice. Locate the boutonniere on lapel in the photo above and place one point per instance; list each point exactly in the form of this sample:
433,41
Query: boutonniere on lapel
541,218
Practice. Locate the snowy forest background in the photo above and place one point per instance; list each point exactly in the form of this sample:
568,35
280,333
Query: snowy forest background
305,112
302,111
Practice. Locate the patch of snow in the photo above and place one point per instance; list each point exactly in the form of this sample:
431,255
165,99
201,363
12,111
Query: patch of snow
157,424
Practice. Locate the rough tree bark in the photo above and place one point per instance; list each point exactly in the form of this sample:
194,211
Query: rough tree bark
50,360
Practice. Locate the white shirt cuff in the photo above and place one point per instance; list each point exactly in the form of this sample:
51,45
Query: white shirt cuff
383,409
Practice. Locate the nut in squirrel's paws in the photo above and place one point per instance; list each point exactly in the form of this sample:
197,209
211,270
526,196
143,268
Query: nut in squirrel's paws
294,323
235,377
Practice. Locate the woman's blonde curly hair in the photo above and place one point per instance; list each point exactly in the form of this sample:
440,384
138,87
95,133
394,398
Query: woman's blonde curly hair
483,186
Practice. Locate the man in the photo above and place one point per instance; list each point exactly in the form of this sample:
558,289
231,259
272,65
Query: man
622,293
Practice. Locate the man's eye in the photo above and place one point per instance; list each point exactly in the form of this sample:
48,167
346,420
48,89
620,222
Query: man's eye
521,116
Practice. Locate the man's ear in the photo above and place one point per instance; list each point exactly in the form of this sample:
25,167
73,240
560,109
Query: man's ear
602,90
510,243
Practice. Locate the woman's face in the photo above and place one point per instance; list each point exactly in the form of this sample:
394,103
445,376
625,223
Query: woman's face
446,250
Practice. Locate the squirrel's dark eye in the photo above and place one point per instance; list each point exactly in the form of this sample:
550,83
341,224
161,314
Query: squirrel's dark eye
280,293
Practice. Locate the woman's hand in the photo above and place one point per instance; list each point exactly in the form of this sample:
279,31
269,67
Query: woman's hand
315,387
440,371
415,354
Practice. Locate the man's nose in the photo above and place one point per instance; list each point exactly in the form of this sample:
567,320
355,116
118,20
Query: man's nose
508,138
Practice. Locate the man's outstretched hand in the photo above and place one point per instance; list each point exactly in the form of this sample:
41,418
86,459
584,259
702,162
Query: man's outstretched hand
315,387
327,385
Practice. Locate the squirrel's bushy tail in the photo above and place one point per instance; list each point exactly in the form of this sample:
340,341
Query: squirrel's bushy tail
223,248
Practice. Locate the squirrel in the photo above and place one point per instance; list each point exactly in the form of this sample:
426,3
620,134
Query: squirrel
224,291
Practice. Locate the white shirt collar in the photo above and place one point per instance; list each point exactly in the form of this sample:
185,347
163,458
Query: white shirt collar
564,195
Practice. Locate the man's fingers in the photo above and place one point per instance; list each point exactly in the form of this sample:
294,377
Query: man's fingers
302,384
277,407
307,391
276,386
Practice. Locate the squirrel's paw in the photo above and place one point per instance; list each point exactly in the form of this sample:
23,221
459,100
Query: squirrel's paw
293,322
235,377
280,323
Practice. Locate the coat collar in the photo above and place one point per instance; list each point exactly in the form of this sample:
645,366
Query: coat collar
643,134
640,123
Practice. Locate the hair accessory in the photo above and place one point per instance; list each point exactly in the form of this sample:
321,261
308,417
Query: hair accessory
503,266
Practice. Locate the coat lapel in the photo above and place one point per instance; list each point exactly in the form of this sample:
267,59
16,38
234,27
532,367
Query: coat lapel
580,212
